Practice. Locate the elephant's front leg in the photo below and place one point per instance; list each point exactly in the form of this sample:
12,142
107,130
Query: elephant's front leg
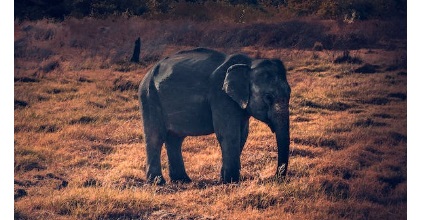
231,131
230,147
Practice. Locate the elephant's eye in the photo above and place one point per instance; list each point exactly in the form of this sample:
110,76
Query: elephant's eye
269,99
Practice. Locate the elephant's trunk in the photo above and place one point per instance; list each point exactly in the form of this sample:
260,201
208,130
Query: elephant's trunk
280,124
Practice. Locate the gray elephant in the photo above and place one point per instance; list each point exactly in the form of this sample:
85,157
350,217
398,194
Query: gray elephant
202,91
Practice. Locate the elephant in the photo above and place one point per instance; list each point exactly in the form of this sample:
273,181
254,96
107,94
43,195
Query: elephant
202,91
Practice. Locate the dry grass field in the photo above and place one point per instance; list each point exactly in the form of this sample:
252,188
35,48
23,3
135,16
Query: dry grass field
80,153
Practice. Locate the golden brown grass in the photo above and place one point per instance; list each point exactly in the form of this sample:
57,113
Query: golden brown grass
80,152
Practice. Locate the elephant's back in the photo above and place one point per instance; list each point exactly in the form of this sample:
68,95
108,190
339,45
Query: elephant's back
182,82
187,70
183,66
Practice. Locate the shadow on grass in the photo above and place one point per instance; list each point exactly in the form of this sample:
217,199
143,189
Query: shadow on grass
26,79
335,188
398,95
301,119
334,106
375,101
369,123
302,153
367,69
104,149
48,128
319,142
83,120
257,200
121,84
129,182
19,104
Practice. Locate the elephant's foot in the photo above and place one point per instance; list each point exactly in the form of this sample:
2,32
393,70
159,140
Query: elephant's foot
156,180
229,176
184,178
181,180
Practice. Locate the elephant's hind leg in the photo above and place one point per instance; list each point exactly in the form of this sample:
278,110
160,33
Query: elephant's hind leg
154,137
176,165
154,144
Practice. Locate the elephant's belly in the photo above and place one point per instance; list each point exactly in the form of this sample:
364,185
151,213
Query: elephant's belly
190,121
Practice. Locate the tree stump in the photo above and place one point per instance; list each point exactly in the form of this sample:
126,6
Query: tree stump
136,51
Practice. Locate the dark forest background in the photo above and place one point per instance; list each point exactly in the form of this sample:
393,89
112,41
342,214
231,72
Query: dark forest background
205,10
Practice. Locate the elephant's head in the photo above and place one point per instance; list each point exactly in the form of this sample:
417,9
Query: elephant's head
261,88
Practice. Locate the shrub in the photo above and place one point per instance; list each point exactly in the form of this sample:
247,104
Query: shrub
318,46
346,58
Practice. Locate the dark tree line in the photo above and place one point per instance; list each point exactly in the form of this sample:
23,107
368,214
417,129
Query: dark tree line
332,9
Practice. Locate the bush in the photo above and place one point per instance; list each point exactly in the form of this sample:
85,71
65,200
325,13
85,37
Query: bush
318,46
346,58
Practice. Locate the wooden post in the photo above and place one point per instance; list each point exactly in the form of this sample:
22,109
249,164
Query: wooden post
136,51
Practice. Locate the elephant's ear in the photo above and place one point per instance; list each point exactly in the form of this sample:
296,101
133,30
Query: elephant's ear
236,84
